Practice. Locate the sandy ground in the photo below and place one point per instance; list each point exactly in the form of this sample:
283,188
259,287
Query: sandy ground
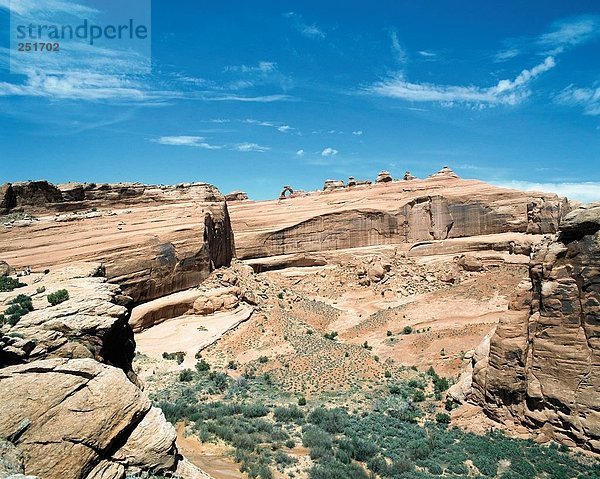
189,334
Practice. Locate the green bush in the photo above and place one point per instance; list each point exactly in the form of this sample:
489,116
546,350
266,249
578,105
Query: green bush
18,307
407,330
263,359
8,284
178,356
202,366
254,410
442,418
301,401
331,336
331,420
186,375
58,297
288,414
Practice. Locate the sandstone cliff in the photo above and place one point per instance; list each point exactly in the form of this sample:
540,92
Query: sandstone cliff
70,401
152,240
543,366
393,212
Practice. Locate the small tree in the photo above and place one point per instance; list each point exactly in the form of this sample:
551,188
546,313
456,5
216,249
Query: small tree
58,297
407,330
202,366
442,418
301,401
186,375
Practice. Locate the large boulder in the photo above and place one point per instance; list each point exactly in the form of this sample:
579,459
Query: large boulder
79,413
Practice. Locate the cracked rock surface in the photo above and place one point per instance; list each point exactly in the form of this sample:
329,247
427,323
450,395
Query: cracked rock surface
543,368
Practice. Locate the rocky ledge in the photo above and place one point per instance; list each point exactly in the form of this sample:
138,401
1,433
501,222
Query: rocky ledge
72,406
153,240
541,367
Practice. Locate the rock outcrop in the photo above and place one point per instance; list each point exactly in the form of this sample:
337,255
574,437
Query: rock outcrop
152,240
72,407
543,367
400,212
383,177
236,195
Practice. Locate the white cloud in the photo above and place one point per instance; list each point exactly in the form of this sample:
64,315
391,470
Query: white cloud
507,92
570,32
357,133
306,29
78,86
246,147
261,67
582,191
425,53
26,7
278,126
399,52
563,35
506,54
586,98
183,140
329,152
249,99
300,153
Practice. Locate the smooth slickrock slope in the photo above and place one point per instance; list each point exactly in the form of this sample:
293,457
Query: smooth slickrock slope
543,366
71,403
152,240
440,207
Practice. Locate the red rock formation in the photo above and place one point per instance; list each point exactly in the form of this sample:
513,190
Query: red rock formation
543,368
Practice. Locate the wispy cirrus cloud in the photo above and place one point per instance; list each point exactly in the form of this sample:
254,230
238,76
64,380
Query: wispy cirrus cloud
28,7
281,127
397,49
427,54
505,92
184,140
261,67
309,30
563,35
586,98
250,147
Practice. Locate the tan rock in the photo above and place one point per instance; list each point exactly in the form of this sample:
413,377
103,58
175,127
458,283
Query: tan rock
544,361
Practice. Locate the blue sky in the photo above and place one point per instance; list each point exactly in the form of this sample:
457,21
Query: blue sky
257,95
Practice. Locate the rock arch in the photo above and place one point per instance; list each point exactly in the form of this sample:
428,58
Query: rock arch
284,193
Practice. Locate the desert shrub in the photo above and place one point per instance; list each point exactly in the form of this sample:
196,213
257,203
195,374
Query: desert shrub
332,469
9,284
378,465
315,437
331,420
40,290
363,450
263,359
288,414
232,365
18,307
331,336
418,396
301,401
202,366
407,330
254,410
400,466
58,297
186,375
389,333
290,444
219,380
388,374
178,356
442,418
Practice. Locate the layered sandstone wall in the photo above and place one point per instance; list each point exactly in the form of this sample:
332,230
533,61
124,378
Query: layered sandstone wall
438,208
152,240
543,367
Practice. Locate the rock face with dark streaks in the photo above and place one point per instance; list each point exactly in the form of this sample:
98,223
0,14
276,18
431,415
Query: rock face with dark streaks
543,368
395,212
152,240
